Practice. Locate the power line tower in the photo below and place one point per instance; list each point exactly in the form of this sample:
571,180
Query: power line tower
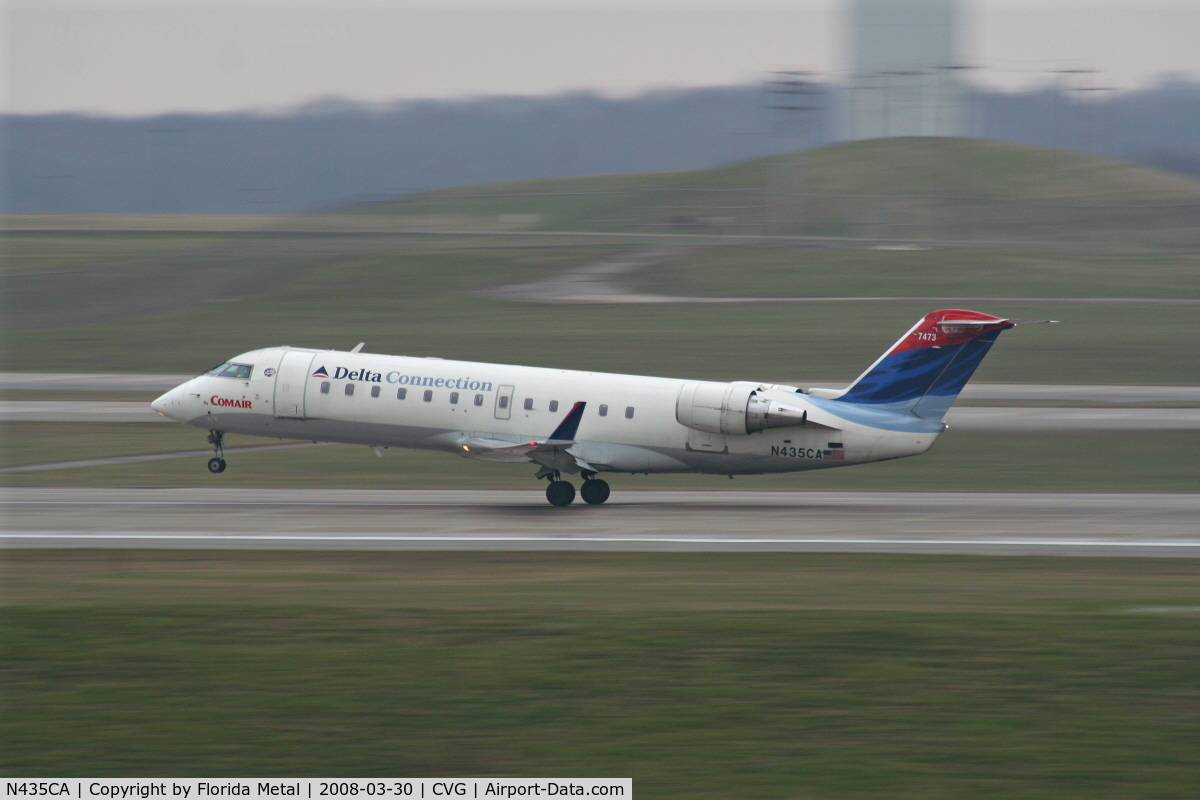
1075,87
795,112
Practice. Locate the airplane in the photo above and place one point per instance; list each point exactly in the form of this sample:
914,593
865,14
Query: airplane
597,422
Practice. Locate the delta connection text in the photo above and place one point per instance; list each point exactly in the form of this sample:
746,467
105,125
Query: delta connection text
256,788
367,376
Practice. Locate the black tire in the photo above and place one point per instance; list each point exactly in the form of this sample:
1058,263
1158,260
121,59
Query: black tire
594,492
216,465
560,493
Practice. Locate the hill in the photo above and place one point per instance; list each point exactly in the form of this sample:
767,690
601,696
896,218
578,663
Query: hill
902,188
91,294
335,153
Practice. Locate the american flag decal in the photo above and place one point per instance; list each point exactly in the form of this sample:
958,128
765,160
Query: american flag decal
836,453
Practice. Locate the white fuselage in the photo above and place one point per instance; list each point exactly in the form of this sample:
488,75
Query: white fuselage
630,423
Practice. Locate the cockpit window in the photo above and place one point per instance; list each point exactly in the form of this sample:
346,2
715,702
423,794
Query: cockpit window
236,371
217,369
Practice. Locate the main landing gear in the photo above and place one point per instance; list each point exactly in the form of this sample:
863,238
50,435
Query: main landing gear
562,493
217,462
594,491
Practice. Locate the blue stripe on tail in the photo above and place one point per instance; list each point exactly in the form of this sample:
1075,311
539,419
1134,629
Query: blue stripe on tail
922,380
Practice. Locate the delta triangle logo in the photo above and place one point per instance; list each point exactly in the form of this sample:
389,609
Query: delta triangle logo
320,373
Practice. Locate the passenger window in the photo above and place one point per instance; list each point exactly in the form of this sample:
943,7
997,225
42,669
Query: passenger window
374,391
478,399
554,405
529,404
604,411
349,389
454,398
428,395
401,394
324,387
504,401
629,412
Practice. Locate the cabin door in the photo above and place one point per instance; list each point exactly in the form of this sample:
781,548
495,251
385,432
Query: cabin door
290,383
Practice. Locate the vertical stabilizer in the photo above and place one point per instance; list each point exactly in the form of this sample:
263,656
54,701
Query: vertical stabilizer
923,373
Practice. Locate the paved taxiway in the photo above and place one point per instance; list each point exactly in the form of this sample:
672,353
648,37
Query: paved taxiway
604,281
351,519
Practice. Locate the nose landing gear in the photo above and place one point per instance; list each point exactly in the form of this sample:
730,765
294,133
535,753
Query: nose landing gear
217,462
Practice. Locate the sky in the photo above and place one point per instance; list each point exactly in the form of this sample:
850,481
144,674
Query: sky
142,57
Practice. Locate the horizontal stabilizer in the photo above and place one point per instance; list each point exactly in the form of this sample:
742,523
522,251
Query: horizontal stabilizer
964,325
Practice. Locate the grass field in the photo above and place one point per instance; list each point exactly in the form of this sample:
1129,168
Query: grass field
54,251
1113,461
419,301
917,187
145,299
143,222
698,675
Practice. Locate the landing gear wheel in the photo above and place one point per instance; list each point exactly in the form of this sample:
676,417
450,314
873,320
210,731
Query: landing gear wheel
217,462
560,493
594,491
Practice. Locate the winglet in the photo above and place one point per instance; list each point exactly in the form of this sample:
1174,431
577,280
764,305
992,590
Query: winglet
565,432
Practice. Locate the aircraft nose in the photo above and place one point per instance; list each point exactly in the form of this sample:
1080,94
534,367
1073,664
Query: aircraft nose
162,403
170,404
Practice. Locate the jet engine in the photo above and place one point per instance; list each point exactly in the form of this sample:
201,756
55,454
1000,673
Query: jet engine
733,408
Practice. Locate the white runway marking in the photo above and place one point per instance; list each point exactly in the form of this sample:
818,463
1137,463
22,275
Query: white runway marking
663,540
1162,610
981,546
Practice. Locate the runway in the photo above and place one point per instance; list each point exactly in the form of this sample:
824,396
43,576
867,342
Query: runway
352,519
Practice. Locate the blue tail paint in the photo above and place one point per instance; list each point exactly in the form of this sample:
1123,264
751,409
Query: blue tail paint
924,372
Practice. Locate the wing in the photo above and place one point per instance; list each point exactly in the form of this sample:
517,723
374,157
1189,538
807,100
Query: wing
541,451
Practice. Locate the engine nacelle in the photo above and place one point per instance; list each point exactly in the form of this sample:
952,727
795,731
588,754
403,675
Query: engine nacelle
732,408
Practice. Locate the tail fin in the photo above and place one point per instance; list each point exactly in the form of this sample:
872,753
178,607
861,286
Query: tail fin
923,373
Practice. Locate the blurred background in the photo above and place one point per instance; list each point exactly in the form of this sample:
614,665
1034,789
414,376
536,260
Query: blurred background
282,107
